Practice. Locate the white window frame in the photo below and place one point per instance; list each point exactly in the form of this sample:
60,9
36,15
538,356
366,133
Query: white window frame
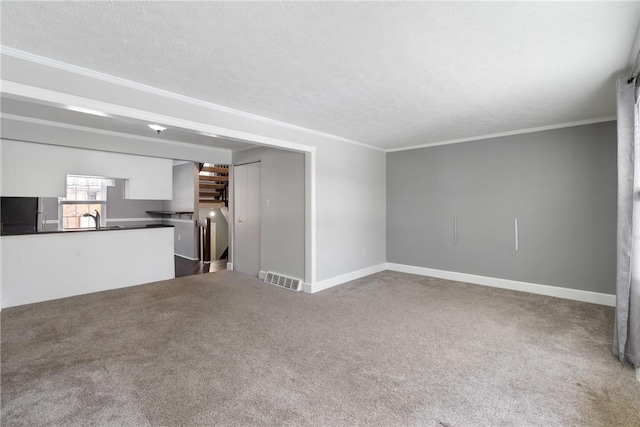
62,202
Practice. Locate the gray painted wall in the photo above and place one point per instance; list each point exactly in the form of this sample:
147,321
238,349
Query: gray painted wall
184,187
118,207
184,199
50,206
282,230
560,184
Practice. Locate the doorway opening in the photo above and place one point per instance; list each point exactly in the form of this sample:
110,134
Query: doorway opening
201,241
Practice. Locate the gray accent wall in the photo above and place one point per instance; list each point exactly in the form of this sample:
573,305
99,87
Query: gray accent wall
185,176
184,188
50,207
282,231
560,185
119,208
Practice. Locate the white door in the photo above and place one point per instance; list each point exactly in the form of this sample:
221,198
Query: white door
246,243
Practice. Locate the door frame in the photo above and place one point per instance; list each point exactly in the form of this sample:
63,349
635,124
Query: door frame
232,203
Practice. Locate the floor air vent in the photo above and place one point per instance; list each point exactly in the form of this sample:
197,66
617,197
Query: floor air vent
283,281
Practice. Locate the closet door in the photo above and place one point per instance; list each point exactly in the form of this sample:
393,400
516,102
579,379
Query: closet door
246,190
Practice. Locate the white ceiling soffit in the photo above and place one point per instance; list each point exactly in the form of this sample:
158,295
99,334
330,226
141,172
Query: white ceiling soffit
11,106
388,74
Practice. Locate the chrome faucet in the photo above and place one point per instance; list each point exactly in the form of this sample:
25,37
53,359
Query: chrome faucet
96,218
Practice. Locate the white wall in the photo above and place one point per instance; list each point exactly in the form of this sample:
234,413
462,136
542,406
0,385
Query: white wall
40,170
351,199
49,266
350,179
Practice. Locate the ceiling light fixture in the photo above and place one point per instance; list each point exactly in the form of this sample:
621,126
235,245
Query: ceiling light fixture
212,135
86,111
157,128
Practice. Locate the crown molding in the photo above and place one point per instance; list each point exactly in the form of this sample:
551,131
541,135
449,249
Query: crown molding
509,133
108,132
41,60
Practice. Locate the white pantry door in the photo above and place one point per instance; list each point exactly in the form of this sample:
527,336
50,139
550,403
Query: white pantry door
246,195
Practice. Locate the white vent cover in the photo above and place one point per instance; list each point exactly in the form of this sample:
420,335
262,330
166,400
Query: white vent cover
283,281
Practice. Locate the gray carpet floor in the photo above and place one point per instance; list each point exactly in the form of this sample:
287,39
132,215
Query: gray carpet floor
389,349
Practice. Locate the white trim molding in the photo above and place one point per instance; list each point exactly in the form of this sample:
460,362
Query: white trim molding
229,266
307,288
534,288
310,215
343,278
509,133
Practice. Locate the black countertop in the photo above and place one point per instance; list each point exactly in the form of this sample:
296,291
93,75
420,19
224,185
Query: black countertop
84,230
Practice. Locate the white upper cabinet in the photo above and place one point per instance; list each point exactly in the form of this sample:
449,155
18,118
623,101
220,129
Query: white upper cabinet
40,170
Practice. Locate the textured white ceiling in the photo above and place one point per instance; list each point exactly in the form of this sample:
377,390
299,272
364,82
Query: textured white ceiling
126,125
387,74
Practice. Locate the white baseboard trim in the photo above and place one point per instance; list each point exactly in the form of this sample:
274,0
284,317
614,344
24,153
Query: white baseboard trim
229,266
338,280
186,257
534,288
262,274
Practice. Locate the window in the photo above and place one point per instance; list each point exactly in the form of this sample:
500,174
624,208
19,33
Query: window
85,195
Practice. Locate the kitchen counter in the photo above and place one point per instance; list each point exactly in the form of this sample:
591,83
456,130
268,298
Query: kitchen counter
68,263
85,230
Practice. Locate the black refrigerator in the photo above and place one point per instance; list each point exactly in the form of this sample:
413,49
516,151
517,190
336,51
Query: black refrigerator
19,215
